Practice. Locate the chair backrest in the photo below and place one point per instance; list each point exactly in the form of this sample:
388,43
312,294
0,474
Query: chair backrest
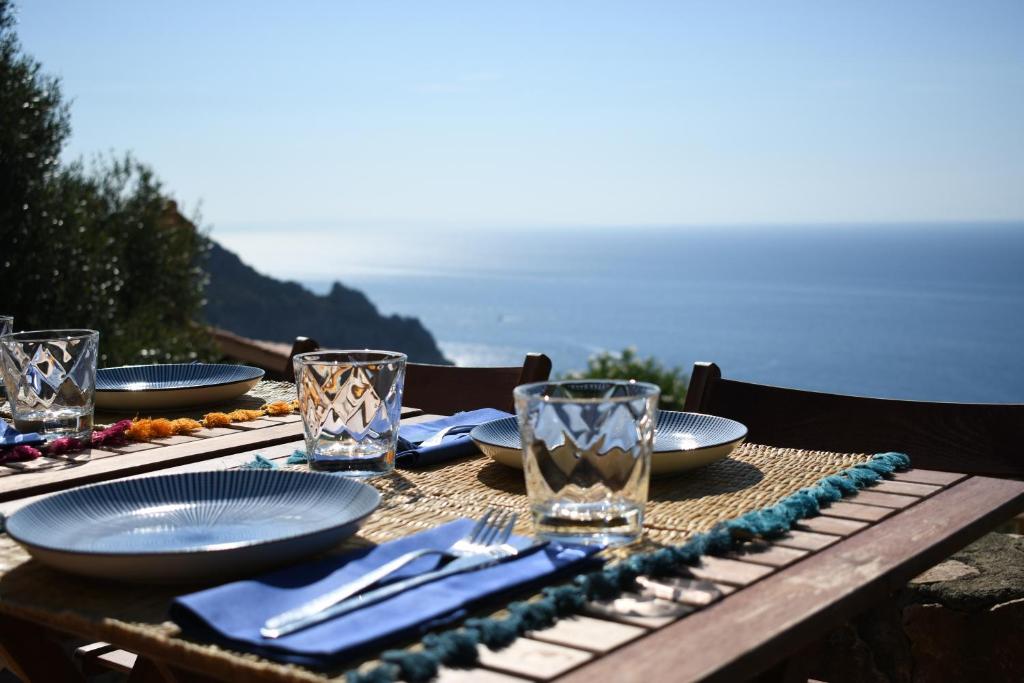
973,438
447,389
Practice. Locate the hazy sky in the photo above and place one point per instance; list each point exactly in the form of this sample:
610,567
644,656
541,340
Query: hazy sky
309,114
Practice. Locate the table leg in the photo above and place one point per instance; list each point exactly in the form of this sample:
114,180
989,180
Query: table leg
33,653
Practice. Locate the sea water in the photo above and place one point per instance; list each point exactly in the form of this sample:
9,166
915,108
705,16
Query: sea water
928,312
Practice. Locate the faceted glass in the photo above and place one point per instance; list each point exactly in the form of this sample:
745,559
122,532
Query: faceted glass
351,405
587,457
50,377
6,327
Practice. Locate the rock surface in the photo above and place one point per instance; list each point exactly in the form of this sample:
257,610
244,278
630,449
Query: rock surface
251,304
962,620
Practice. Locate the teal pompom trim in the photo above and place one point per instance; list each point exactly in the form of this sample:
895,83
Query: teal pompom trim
258,462
458,647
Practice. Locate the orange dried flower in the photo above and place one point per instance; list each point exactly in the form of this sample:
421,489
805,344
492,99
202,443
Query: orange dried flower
212,420
184,425
278,408
147,429
245,415
139,431
162,428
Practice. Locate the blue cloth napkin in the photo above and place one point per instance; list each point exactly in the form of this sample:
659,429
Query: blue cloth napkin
455,444
232,614
11,437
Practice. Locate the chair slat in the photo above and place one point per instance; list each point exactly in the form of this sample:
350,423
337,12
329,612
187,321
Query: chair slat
973,438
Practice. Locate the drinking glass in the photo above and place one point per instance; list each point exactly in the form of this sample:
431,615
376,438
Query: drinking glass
587,457
50,377
6,327
351,405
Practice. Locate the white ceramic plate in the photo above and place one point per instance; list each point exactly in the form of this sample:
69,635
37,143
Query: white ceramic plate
683,441
150,387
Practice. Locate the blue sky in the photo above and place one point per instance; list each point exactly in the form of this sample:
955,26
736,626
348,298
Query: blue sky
326,115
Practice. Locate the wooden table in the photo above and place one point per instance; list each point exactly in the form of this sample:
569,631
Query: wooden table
779,597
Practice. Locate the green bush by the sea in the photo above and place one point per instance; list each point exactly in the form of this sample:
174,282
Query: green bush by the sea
97,246
629,365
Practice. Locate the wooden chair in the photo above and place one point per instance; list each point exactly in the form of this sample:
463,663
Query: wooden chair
973,438
446,389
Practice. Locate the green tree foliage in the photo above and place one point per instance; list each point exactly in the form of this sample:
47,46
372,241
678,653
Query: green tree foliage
99,247
628,365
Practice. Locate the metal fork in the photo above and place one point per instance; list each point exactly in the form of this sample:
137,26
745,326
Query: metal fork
490,531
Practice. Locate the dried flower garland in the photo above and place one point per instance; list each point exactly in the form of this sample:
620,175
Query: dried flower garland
143,429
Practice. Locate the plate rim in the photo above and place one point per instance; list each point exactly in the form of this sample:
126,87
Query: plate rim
174,553
473,435
258,374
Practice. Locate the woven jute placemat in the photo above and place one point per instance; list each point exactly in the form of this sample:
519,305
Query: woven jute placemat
753,477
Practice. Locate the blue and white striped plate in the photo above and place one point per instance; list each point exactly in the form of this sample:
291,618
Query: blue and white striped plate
682,441
194,526
145,387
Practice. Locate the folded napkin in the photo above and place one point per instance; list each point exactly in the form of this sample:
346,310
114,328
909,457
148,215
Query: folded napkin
11,437
455,444
232,614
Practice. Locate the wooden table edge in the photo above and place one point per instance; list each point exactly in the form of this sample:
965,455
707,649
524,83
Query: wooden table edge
740,637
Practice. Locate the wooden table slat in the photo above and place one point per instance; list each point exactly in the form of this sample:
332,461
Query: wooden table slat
152,458
175,439
886,500
294,417
928,477
259,423
724,570
655,613
737,638
211,432
906,488
805,540
863,513
836,526
534,659
769,554
447,675
134,447
588,633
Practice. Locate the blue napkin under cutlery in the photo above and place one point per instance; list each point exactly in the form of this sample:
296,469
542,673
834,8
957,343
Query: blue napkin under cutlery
454,444
232,614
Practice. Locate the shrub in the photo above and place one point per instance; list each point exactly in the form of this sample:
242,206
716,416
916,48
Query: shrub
627,365
92,247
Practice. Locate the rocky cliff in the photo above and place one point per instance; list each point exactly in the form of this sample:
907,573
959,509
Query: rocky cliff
248,303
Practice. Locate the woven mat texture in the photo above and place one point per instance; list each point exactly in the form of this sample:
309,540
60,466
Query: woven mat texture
753,477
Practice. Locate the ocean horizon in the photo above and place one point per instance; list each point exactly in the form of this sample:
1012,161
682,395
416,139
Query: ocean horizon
917,312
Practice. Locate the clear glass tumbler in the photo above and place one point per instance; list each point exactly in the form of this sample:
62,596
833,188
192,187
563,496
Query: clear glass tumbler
50,377
351,406
6,327
587,457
